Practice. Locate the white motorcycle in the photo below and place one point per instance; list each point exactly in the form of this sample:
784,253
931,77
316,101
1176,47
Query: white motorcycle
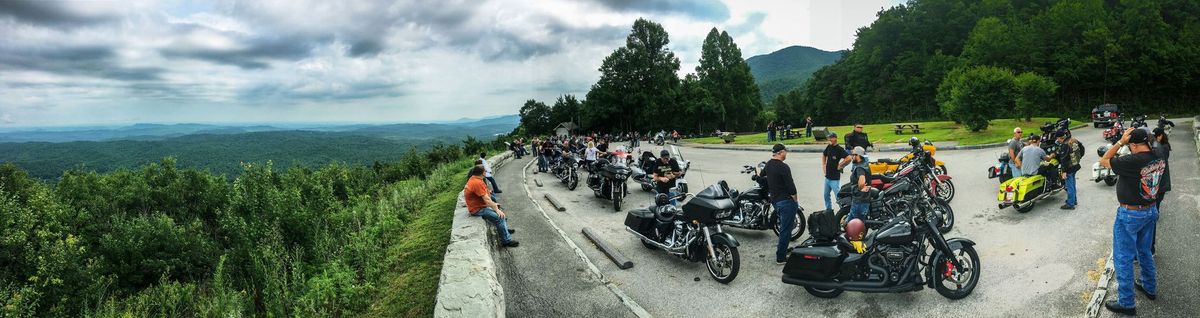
1100,173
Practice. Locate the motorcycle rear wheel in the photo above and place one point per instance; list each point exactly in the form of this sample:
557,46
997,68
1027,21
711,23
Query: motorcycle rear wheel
572,182
969,258
727,260
823,293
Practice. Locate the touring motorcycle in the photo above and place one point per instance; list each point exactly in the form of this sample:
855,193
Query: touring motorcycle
1111,136
692,232
608,181
907,254
565,168
645,178
899,194
752,209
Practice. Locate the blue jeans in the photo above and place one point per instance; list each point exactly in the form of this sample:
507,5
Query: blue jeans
858,210
830,186
786,209
501,223
771,135
1012,169
1133,232
1070,187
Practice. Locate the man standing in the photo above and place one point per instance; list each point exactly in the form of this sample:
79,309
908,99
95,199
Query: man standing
1014,148
1162,148
808,127
487,168
860,176
782,191
858,138
1133,229
832,161
1070,151
771,131
480,203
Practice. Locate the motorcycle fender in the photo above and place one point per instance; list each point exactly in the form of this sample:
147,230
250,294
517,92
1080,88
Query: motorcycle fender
953,243
724,237
943,178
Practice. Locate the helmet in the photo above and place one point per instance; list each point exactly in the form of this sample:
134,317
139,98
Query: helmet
855,230
665,213
662,199
914,141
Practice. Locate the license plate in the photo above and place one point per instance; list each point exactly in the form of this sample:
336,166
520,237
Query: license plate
1008,197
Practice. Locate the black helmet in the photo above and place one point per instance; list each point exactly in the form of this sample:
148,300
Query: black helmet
914,141
662,199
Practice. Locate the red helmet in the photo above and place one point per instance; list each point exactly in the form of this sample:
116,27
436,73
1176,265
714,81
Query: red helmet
855,230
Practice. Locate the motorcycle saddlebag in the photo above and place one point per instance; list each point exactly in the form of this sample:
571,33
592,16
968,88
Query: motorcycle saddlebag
641,220
823,225
815,262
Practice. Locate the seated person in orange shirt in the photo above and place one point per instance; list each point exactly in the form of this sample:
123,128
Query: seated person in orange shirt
480,203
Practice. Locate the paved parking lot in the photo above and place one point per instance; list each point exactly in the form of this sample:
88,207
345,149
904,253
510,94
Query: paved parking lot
1042,263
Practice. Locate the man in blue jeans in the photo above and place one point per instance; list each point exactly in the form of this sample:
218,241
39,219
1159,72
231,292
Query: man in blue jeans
482,203
1133,230
1070,151
860,175
832,160
782,191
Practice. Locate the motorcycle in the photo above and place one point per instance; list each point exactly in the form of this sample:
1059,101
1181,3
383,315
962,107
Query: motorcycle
565,169
1165,124
752,209
608,181
642,175
896,256
1023,192
692,232
895,196
885,165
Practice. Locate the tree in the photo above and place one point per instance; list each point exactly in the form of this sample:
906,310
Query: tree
726,76
535,117
974,95
637,84
699,105
565,109
1034,94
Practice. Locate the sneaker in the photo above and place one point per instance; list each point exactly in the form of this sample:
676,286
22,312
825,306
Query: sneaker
1112,306
1139,287
780,261
1067,207
498,192
511,231
512,243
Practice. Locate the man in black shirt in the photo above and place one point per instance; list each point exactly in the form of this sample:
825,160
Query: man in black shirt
782,191
832,161
1070,151
858,138
1137,189
665,169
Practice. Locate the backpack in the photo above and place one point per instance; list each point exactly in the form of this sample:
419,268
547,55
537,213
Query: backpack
822,225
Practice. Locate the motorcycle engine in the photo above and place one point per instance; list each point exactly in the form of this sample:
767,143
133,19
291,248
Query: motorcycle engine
750,211
896,257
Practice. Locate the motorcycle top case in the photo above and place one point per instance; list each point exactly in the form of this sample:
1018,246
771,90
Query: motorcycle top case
1021,187
820,262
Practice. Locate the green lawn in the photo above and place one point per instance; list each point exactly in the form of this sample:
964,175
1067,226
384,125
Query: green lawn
998,131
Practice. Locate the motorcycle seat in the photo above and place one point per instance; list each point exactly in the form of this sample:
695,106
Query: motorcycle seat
885,178
887,161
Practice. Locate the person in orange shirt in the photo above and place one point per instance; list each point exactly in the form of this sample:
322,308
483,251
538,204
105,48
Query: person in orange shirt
480,203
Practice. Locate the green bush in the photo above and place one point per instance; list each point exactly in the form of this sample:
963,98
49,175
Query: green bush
975,95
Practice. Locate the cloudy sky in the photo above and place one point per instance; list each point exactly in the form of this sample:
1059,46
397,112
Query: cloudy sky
121,62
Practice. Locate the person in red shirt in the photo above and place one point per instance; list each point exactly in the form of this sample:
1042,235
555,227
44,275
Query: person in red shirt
479,203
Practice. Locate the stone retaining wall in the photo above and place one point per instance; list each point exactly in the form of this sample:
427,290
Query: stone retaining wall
469,286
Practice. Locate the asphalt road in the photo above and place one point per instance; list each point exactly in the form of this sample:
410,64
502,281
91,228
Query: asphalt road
1042,263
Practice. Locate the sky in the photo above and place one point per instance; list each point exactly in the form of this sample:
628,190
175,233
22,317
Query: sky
65,63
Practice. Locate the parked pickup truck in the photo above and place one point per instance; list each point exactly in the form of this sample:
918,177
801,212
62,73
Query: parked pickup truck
1107,114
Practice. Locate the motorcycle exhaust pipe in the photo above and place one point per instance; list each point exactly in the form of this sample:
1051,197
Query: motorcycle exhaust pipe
656,243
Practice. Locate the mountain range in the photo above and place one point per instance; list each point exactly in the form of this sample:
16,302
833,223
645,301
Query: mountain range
787,69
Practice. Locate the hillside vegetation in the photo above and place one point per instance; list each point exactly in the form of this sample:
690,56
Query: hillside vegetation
787,69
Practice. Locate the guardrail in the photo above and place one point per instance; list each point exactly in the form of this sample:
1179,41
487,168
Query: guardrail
469,286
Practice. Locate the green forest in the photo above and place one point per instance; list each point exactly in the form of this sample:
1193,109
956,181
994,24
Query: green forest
962,60
164,241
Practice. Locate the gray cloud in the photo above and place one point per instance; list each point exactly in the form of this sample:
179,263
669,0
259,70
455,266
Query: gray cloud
50,13
711,10
300,92
90,61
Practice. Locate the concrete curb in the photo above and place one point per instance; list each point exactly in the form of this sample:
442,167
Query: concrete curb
558,206
468,286
903,148
1093,308
613,253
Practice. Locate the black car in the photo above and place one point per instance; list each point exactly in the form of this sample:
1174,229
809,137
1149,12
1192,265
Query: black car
1106,114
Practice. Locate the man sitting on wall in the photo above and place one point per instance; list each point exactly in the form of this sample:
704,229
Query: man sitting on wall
479,203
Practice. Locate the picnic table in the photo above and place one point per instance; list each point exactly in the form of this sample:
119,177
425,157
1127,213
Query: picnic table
901,127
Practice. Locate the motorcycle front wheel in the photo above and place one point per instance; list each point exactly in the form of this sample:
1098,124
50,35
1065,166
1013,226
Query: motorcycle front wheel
724,267
945,190
957,282
572,182
943,209
797,225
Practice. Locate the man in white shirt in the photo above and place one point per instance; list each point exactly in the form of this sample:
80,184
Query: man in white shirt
487,173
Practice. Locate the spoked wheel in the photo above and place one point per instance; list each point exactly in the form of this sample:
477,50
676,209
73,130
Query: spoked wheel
797,225
618,195
823,293
572,182
945,190
943,209
724,266
956,282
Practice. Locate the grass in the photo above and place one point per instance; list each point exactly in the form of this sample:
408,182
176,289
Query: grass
411,289
999,130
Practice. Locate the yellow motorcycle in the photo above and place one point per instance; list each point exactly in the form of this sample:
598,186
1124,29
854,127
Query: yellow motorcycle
1021,192
884,166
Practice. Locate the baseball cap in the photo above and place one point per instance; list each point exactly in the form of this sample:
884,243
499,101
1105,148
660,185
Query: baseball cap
859,151
832,135
1035,138
1138,136
664,153
1159,132
778,148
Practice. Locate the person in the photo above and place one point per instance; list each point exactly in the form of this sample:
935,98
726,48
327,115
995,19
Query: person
781,190
832,160
1031,156
1070,152
771,131
487,168
858,138
1162,148
589,155
675,136
1014,148
480,203
1133,228
860,176
666,169
808,127
546,155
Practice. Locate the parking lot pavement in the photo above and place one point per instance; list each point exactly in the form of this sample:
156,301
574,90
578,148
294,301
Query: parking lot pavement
1041,263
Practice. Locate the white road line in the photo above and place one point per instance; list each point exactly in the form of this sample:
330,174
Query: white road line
628,302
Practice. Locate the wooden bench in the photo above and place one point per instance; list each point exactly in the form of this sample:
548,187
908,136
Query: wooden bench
915,128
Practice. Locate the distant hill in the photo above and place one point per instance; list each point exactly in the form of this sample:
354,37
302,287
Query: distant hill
783,70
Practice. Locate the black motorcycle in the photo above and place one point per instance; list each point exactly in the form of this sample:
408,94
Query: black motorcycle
608,181
910,188
691,232
565,169
641,173
752,209
906,254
